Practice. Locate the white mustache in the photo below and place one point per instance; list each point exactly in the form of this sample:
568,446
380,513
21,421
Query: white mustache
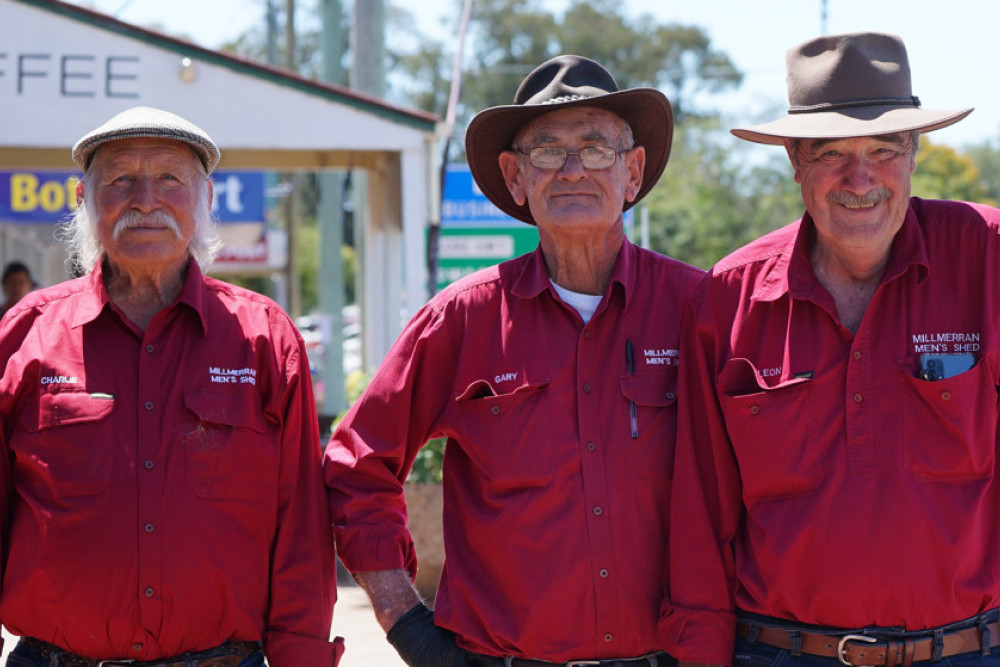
876,196
154,220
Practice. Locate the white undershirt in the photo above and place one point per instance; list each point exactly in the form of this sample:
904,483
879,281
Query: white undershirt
585,304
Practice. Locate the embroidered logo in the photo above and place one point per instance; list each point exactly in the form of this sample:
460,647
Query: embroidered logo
505,377
232,375
59,379
658,356
946,342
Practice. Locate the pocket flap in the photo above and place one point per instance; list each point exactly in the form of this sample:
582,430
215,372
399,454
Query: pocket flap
67,407
650,389
227,408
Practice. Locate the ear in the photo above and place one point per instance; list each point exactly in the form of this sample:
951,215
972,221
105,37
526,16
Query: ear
635,163
790,148
79,192
211,192
513,176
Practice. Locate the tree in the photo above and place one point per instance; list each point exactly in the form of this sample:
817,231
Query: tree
944,174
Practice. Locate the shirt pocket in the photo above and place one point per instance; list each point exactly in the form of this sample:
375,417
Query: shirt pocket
949,425
67,444
227,449
769,427
503,434
655,396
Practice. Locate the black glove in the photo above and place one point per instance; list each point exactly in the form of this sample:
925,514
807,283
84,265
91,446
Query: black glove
420,643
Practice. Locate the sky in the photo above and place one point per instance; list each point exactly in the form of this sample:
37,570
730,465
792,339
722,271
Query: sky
951,46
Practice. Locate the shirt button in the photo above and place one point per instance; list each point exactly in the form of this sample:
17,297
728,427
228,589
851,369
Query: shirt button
946,395
148,464
586,335
598,511
603,573
149,592
858,398
148,405
137,646
586,387
857,354
148,527
495,409
150,348
591,446
608,637
754,409
670,395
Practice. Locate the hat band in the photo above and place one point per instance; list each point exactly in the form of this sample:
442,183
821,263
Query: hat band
913,101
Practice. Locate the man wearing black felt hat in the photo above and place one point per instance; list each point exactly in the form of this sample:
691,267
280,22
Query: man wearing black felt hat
553,377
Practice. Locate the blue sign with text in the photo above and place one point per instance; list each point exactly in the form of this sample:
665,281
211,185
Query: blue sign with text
50,196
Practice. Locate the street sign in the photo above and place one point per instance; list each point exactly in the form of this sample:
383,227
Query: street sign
475,233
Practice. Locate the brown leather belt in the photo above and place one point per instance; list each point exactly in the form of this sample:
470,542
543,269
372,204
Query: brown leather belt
858,649
230,654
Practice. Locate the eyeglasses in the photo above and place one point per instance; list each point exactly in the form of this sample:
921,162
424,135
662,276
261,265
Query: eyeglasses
591,157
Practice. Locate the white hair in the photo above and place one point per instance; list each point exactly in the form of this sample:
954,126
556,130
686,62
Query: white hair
79,234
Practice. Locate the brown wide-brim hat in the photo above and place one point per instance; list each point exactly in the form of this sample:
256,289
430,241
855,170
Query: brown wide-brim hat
561,83
851,85
147,122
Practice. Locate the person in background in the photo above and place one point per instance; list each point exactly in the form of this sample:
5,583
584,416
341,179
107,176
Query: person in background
163,502
836,492
553,377
17,282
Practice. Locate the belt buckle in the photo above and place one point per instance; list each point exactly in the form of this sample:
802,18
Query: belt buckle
848,638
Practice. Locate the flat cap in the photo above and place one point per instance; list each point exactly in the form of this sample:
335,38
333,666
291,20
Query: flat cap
146,122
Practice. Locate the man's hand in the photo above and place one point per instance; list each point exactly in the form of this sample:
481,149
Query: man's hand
420,643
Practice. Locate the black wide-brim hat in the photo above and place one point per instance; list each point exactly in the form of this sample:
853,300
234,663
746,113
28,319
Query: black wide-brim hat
560,83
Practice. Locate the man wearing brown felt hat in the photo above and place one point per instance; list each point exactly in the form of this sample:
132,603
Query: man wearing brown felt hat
835,486
553,376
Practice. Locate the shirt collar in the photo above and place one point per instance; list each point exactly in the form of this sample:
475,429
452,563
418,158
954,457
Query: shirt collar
95,299
792,272
534,277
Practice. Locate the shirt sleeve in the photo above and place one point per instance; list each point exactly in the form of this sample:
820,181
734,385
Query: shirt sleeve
374,446
303,565
700,623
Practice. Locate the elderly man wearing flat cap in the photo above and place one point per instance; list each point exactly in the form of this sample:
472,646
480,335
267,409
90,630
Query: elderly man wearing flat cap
163,500
554,378
836,483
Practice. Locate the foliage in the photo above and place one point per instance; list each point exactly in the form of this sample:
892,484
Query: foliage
718,194
944,174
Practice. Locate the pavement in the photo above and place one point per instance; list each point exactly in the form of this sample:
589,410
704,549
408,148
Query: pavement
353,619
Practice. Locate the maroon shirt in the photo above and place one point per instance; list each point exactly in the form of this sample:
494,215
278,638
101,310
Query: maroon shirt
818,478
165,492
555,518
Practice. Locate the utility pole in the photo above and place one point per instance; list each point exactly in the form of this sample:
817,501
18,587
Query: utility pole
822,18
331,229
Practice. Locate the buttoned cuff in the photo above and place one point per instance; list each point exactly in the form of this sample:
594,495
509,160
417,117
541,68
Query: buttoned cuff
283,649
695,635
366,549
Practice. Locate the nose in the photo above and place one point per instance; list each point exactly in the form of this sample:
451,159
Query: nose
573,169
144,195
857,174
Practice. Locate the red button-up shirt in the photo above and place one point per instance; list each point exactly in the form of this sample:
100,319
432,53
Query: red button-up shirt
164,488
818,478
555,518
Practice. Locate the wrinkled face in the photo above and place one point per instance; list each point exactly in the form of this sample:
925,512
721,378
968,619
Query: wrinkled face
857,190
144,196
16,285
573,197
